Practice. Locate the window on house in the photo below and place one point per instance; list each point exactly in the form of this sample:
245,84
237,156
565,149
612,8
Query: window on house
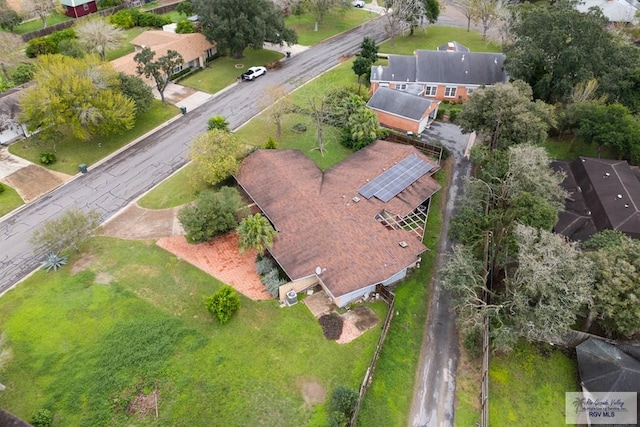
450,92
470,90
209,53
430,91
384,85
85,6
401,86
177,69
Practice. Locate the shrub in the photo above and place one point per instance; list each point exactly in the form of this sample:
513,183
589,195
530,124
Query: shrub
331,326
264,265
452,115
299,128
42,418
47,158
212,214
1,188
71,47
223,304
123,19
272,282
135,88
49,44
23,73
185,27
344,400
271,144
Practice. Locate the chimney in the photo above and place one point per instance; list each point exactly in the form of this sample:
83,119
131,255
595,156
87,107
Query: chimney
451,47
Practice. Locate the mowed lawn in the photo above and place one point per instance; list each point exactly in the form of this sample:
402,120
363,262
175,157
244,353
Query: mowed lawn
9,200
436,35
527,387
224,71
334,22
71,152
84,350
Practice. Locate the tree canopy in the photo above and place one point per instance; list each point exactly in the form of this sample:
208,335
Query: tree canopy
259,21
215,155
76,95
506,114
255,232
160,69
554,47
67,231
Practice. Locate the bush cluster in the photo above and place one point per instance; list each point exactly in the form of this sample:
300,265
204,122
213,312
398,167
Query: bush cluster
343,403
129,18
269,275
223,304
48,45
331,325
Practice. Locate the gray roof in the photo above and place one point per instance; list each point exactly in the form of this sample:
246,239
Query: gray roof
460,67
9,104
432,66
453,47
401,68
399,103
604,367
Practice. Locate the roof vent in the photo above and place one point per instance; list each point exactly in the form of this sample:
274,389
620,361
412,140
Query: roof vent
606,175
626,205
403,244
356,199
462,58
495,61
619,196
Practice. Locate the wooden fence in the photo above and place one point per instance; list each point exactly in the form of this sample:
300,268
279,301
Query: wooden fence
429,149
390,298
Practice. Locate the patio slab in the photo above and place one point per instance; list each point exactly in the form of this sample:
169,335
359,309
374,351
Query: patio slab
319,303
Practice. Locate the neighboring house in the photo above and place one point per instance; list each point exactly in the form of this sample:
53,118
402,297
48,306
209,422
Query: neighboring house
403,110
603,195
608,368
10,129
78,8
351,228
446,75
618,12
194,48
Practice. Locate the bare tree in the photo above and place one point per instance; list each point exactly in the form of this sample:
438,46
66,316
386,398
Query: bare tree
486,12
466,8
394,22
98,36
319,111
40,8
279,105
11,52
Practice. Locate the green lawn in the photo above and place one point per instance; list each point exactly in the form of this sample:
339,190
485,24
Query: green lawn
174,191
36,24
569,147
223,71
71,152
126,46
334,23
9,200
83,350
527,387
436,35
468,379
388,399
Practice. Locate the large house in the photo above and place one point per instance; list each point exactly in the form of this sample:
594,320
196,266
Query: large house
446,75
603,195
194,48
78,8
351,228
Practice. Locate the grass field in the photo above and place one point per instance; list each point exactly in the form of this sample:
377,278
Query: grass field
223,71
36,24
526,387
333,23
9,200
388,400
84,350
436,35
71,152
468,379
569,147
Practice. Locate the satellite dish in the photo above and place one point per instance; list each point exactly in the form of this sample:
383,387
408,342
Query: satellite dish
318,270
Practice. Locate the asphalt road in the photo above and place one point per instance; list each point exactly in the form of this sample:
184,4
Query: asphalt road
111,185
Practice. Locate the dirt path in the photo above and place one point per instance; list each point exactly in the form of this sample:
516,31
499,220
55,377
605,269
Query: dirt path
33,181
137,223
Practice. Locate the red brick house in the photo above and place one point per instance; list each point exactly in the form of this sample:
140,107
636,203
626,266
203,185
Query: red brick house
351,228
402,110
78,8
445,75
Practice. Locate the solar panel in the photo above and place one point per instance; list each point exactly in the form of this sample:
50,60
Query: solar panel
391,182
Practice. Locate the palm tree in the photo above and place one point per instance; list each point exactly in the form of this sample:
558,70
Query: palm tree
255,232
218,122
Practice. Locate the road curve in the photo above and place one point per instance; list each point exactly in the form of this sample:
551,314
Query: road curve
110,186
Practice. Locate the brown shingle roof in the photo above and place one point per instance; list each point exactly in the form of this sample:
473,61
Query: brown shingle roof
318,223
190,46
